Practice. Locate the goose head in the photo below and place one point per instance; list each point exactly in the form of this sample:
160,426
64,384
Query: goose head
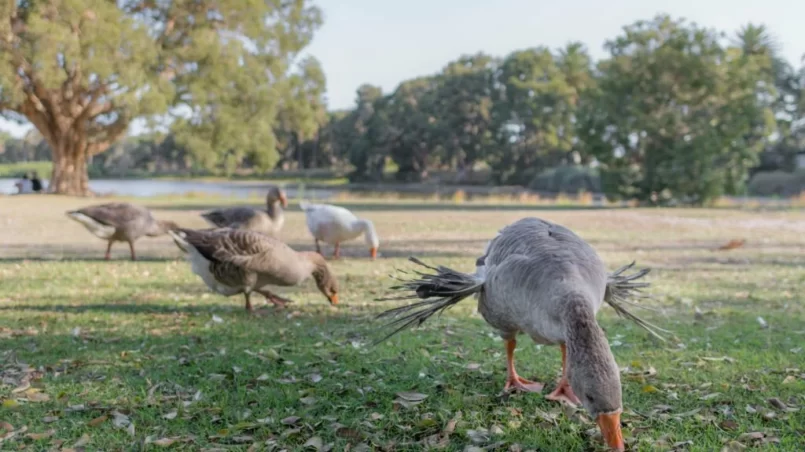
592,371
277,194
324,277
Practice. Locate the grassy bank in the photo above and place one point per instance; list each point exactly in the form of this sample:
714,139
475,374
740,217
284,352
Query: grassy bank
139,355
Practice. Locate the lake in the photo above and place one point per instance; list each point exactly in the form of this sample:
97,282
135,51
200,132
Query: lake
147,187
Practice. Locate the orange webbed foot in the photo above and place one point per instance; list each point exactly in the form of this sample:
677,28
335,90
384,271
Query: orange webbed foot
518,383
565,393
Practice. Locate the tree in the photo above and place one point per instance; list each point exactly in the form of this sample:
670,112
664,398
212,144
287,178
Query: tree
303,112
463,110
81,70
677,116
535,115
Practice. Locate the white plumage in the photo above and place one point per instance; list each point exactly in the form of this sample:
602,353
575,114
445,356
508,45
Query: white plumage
333,225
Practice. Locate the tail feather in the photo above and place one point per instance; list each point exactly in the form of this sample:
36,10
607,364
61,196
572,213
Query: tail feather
178,237
621,288
439,290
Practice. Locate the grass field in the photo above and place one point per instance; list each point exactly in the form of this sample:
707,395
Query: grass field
140,355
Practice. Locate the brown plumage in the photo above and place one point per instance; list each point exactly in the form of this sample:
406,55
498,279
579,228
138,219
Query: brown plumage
236,261
269,221
120,222
540,279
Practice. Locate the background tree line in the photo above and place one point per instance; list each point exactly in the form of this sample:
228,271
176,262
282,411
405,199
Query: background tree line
676,112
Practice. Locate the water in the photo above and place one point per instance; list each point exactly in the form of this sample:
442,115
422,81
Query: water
146,187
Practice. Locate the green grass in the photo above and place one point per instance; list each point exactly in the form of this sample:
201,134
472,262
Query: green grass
147,340
16,170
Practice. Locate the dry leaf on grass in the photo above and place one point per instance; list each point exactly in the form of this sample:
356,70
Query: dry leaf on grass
290,420
314,442
98,420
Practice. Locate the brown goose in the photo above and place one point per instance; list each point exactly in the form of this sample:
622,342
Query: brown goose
541,279
269,221
120,222
235,261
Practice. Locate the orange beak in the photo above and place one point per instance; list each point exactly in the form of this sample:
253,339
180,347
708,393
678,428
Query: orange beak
333,299
610,425
284,200
373,253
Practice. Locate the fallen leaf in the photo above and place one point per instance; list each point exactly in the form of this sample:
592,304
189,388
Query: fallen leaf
290,420
315,378
777,403
314,442
350,433
710,396
37,397
22,388
98,421
165,442
729,424
10,403
308,400
217,319
171,415
473,366
789,379
648,389
49,419
752,436
733,446
38,436
83,441
412,396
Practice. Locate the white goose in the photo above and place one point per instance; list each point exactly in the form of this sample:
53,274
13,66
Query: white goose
334,224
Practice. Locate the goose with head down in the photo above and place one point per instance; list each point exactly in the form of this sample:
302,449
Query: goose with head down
335,224
269,221
541,279
235,261
120,222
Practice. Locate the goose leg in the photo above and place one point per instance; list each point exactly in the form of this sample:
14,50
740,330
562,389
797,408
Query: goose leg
131,248
108,254
563,390
248,296
277,300
514,381
336,250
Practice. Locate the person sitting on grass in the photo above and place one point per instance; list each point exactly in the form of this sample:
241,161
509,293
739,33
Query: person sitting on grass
36,183
24,185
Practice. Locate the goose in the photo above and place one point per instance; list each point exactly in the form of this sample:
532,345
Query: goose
269,221
120,222
541,279
236,261
335,224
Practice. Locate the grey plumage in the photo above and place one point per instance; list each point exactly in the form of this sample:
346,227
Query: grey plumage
442,287
120,222
541,279
268,221
236,261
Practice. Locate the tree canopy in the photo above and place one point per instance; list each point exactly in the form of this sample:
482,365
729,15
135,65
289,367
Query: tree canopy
676,112
82,70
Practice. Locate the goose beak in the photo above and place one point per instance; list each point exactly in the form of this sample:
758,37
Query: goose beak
373,253
610,425
333,299
284,201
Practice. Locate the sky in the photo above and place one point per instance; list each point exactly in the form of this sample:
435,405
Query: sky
384,42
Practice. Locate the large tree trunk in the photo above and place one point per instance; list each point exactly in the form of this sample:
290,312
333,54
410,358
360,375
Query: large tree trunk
69,175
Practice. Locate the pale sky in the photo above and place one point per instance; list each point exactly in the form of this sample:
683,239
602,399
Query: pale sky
384,42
